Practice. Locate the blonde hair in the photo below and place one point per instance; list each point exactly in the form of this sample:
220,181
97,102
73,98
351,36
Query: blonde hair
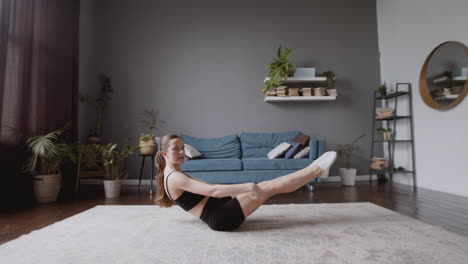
162,199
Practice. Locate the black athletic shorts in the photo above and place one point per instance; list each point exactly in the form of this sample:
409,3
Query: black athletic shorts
222,214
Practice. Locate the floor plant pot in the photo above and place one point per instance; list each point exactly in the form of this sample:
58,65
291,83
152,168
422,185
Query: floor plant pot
348,176
47,187
148,147
112,188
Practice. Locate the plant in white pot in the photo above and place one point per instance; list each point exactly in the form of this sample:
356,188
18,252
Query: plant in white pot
385,133
113,159
331,82
100,104
348,174
48,152
148,144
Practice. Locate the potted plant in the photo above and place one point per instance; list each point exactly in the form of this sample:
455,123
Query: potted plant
331,82
148,144
112,159
100,104
281,68
48,152
348,175
386,134
382,89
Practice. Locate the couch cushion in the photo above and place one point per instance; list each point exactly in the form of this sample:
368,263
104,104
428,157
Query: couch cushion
293,150
302,139
216,148
259,144
212,165
263,163
279,150
191,152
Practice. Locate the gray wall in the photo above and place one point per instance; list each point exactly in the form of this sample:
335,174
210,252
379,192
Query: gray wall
202,64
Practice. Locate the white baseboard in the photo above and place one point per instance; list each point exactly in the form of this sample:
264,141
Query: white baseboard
148,182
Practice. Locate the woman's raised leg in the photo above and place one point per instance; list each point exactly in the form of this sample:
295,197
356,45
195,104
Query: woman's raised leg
284,184
287,183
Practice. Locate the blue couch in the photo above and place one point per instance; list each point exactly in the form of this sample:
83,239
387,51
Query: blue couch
243,158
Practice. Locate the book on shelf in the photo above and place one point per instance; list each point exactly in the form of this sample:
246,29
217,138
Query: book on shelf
381,113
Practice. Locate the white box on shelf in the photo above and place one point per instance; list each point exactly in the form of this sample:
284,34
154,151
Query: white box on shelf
304,72
461,72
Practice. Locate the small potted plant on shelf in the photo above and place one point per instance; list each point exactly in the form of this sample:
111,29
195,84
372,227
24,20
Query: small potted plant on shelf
348,174
148,144
100,104
385,133
382,89
331,82
48,152
281,68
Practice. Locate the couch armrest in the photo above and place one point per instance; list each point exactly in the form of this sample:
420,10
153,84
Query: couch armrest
317,148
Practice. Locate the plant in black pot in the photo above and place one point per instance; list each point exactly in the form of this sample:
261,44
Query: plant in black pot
348,174
100,104
280,69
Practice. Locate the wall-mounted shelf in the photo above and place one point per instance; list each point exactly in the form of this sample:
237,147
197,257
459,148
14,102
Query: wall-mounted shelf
455,79
275,99
300,79
446,97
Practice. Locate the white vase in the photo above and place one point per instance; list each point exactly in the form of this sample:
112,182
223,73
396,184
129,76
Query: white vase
47,187
112,188
348,176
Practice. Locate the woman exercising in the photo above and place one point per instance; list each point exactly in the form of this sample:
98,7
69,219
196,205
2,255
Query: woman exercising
222,206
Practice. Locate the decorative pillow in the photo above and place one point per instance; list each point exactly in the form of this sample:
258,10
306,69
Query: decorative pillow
303,153
292,150
302,139
191,152
278,150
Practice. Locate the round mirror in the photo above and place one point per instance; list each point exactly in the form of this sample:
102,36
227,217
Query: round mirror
442,83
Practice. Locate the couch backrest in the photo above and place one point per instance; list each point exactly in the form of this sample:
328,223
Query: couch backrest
259,144
215,148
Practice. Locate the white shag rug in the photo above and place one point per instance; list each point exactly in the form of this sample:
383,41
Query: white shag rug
294,233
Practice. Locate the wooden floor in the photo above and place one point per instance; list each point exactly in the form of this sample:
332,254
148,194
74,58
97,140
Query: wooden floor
436,208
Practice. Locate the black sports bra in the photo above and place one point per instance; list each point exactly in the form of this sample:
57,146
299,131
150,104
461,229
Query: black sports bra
187,200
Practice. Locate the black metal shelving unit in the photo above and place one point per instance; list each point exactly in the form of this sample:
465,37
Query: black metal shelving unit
391,143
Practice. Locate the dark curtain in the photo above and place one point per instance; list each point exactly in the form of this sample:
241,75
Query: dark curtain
38,75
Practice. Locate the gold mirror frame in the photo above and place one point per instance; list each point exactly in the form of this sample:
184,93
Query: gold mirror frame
424,90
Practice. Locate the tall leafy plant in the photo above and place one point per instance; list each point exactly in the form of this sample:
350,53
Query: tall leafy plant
281,68
48,152
345,151
100,103
110,158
